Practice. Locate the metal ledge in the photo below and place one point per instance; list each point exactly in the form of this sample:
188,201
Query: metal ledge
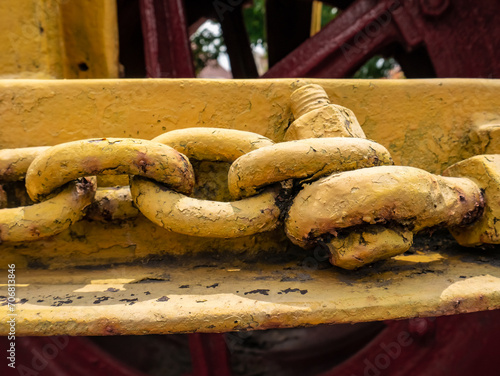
208,295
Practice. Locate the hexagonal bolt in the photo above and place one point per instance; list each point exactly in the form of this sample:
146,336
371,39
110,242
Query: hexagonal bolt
316,117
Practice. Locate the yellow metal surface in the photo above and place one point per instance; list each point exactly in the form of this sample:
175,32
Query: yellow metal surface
400,194
316,117
58,39
206,218
484,170
302,159
49,217
90,34
213,144
108,156
425,124
210,295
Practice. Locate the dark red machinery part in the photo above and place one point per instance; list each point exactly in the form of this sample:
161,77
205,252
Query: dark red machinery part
166,41
288,24
458,38
209,355
60,356
429,38
460,345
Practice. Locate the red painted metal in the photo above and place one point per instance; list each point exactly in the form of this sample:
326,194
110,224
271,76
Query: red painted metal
60,356
209,355
460,345
461,38
166,41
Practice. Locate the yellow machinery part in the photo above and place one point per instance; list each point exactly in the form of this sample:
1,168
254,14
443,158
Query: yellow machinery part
58,39
422,123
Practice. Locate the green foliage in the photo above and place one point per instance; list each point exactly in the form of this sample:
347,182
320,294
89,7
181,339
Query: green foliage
376,67
255,22
328,13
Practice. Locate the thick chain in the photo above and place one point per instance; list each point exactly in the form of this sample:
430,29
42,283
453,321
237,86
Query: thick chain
362,208
161,177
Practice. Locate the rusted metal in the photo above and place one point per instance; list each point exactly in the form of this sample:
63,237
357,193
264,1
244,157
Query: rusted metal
426,29
197,294
484,170
412,198
49,217
15,162
205,218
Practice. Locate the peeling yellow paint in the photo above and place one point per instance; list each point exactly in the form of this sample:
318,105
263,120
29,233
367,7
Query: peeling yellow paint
401,115
423,123
49,217
303,159
212,144
317,117
484,170
109,156
205,218
179,301
409,196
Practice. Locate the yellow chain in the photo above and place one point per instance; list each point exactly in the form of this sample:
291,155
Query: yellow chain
361,212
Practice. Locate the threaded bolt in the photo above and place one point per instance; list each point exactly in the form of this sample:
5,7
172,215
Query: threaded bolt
308,98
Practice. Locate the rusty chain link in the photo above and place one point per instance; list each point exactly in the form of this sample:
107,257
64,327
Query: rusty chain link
327,182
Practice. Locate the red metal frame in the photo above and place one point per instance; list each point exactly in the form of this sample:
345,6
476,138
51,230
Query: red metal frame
459,37
166,41
209,355
460,345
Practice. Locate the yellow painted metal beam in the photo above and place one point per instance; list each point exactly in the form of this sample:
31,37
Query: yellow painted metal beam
58,39
90,34
423,123
206,295
232,283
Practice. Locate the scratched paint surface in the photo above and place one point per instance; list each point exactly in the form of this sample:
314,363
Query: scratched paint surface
212,295
423,123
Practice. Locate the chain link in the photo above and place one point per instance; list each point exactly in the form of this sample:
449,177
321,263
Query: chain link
109,156
191,216
362,208
49,217
307,159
